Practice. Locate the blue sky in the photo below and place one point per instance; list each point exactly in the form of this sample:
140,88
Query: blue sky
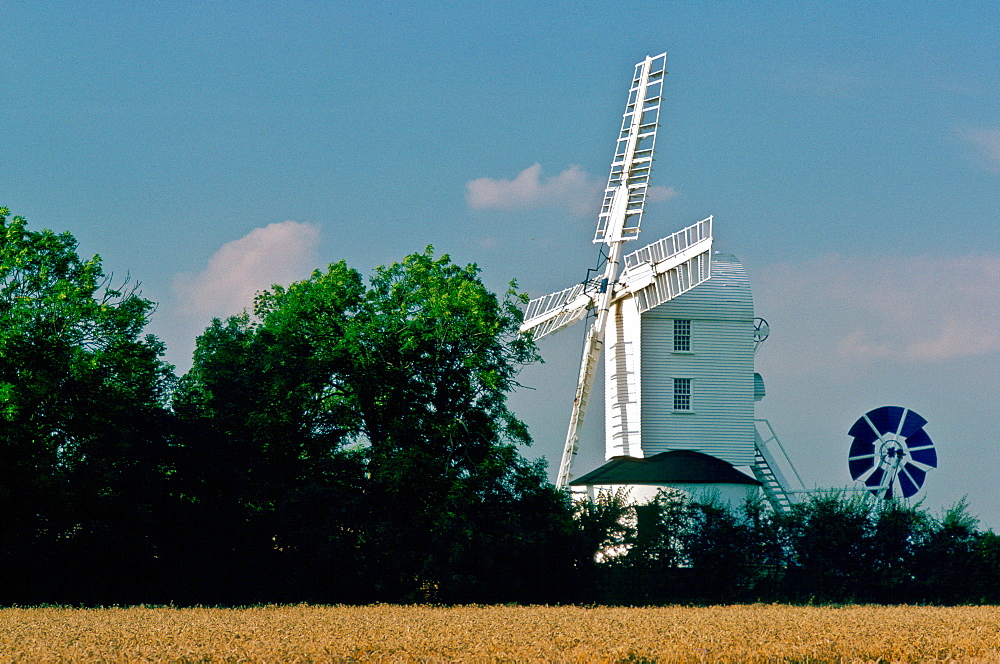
850,153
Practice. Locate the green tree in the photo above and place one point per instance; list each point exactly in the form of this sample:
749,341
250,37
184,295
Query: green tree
949,565
724,555
900,532
767,551
408,374
830,542
271,493
82,398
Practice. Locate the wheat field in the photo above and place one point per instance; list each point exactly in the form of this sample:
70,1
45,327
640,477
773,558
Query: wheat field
752,633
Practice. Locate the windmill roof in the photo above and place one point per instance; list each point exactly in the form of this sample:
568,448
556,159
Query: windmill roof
675,467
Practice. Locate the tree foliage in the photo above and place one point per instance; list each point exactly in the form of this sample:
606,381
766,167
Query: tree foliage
395,392
82,397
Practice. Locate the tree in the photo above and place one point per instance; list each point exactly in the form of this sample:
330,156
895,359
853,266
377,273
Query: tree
830,547
720,545
900,533
408,374
82,398
272,495
948,565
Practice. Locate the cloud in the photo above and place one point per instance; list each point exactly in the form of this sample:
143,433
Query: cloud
572,189
850,311
276,254
659,193
986,140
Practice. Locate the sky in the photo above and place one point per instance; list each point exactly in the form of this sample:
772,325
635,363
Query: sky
849,152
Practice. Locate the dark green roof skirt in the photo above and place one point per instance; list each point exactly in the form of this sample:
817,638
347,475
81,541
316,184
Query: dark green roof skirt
676,467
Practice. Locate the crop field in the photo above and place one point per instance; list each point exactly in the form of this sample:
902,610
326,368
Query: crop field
752,633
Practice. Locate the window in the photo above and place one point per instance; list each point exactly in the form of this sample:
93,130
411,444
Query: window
682,336
682,394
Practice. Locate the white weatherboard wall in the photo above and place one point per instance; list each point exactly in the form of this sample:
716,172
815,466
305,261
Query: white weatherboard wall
720,366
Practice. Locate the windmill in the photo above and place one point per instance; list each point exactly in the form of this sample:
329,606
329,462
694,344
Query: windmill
890,452
624,308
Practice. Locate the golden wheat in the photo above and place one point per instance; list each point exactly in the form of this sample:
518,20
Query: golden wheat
753,633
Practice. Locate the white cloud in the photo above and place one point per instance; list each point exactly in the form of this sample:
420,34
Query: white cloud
659,193
276,254
572,189
986,140
845,312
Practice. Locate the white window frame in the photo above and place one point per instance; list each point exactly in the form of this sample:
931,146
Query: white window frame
679,394
679,335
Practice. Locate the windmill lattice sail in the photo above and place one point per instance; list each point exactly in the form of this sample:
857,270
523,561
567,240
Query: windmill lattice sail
551,313
654,274
633,160
663,270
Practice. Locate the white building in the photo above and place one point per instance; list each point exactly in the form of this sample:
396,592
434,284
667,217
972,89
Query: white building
690,371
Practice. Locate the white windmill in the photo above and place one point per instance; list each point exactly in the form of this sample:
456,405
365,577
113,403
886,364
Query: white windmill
679,329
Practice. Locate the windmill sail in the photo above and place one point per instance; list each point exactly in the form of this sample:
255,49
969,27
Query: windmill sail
654,274
639,281
890,452
551,313
663,270
633,158
617,223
